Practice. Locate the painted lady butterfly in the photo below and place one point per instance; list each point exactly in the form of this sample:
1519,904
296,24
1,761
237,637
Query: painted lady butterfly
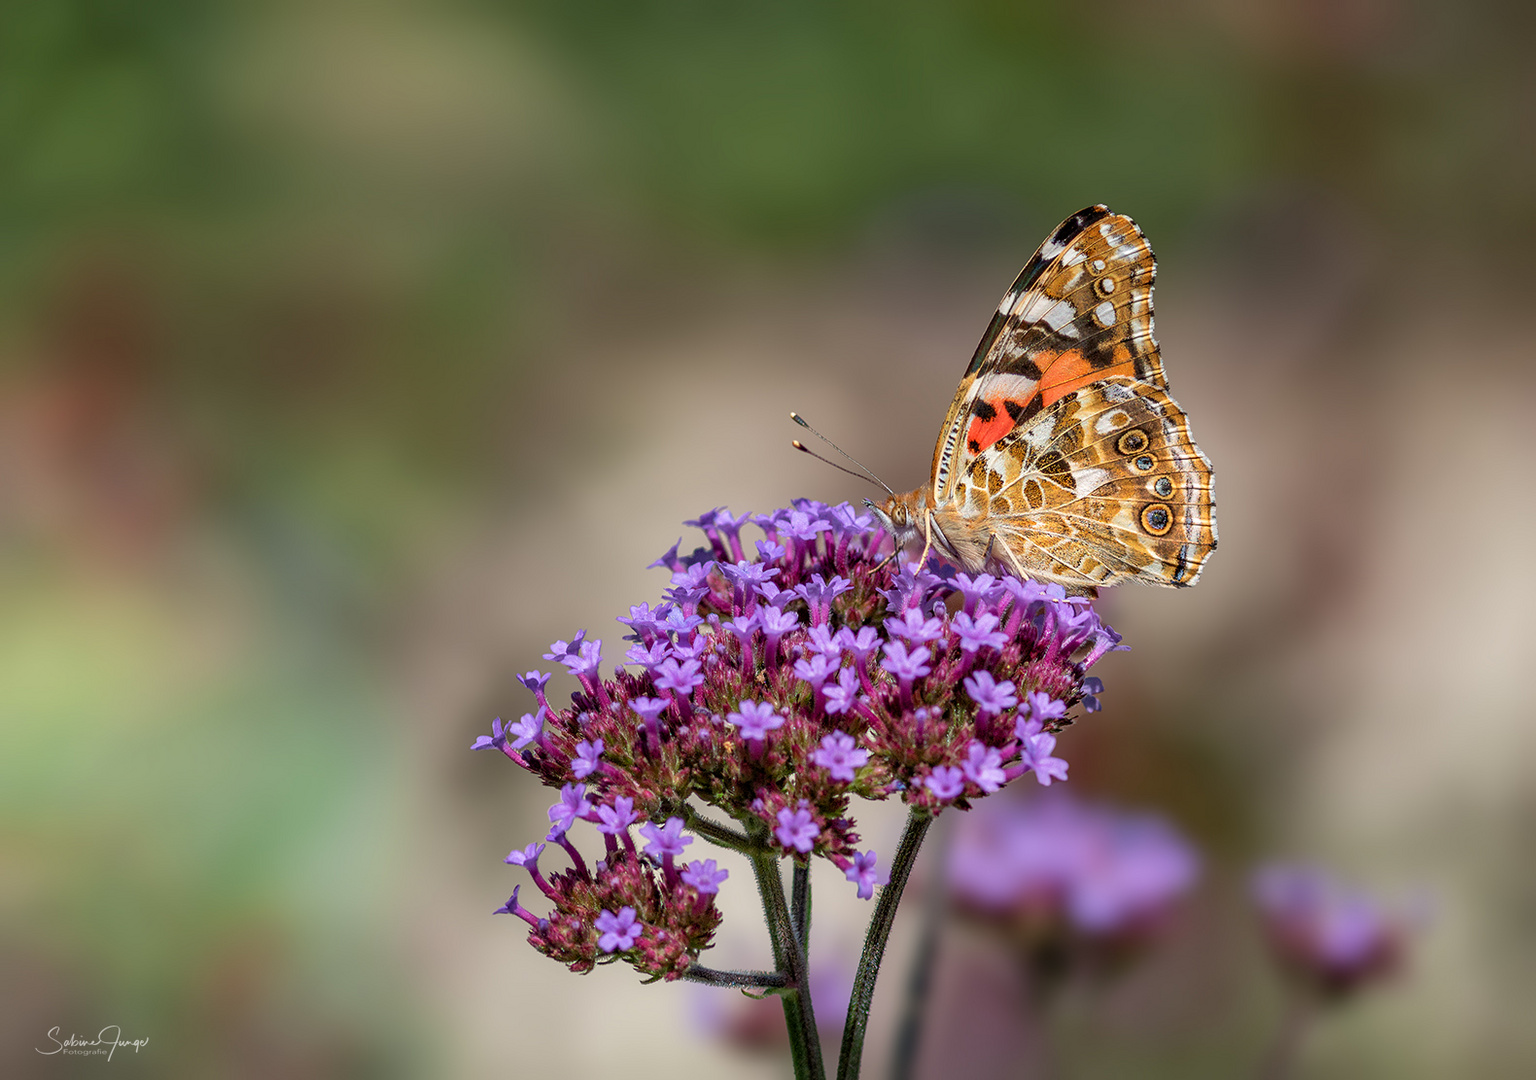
1062,457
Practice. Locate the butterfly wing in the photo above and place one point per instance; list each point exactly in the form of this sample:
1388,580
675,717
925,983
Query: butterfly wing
1104,485
1079,311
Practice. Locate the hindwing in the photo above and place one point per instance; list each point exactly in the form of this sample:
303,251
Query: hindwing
1104,485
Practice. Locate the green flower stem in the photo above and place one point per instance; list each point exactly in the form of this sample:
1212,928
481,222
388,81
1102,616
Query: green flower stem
789,958
909,1034
800,904
718,833
747,980
874,944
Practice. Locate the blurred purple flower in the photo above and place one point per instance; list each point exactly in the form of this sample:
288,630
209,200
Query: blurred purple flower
1097,871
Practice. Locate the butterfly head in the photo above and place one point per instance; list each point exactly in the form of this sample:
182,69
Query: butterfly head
899,515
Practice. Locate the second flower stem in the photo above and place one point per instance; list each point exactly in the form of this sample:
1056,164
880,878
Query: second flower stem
874,944
789,958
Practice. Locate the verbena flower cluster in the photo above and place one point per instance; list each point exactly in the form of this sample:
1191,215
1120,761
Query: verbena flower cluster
1331,937
1057,866
774,684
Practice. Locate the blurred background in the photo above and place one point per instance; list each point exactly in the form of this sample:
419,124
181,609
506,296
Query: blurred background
352,352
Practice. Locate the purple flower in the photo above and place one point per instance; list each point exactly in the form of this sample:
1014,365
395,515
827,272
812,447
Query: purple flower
866,641
669,559
797,829
946,782
803,526
583,659
1100,871
905,665
983,590
769,551
1336,936
679,622
1036,751
914,629
842,695
534,680
984,767
823,641
527,729
588,757
497,738
819,594
1043,708
693,577
561,649
863,874
678,678
755,720
618,931
848,521
746,579
1092,687
666,839
512,907
991,697
817,669
614,819
648,708
704,876
649,656
573,806
777,622
642,620
978,633
840,756
1105,640
528,856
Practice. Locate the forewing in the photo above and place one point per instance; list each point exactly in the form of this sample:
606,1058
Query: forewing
1104,485
1079,311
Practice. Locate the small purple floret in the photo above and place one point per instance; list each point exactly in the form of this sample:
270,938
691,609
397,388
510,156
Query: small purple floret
618,931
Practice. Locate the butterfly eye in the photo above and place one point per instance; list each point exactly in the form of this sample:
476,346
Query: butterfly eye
1157,519
1163,486
1144,462
1132,442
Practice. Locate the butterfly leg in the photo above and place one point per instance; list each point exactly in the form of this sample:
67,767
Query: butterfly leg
928,541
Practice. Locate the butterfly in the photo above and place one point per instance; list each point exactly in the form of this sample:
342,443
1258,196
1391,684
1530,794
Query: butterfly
1063,457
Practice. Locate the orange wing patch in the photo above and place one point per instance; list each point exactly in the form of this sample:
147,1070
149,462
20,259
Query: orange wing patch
1061,373
992,418
1070,371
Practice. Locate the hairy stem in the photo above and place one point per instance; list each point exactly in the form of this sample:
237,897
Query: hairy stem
800,905
747,980
909,1035
789,958
718,833
879,933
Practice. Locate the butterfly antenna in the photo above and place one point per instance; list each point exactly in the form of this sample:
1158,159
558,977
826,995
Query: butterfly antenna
866,474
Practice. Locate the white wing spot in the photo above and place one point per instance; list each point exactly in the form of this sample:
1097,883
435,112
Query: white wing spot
1035,310
1072,257
1060,314
1098,266
1050,248
1105,313
1111,421
1088,480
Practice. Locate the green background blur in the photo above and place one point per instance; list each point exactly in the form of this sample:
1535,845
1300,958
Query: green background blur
351,352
